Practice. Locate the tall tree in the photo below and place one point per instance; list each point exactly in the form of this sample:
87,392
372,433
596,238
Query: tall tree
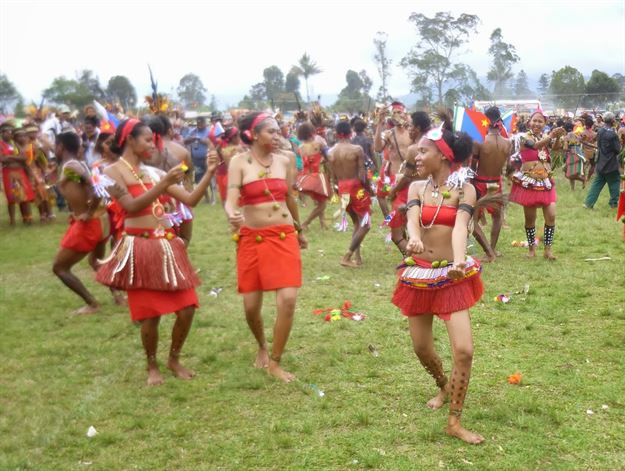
9,96
191,91
567,87
543,84
367,83
354,96
256,99
292,82
120,89
91,84
504,57
383,64
620,79
431,62
274,83
64,91
521,86
601,89
306,68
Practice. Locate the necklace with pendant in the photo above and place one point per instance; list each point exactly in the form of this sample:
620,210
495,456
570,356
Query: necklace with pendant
266,172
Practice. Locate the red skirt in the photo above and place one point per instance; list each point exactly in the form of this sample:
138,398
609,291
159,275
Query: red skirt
422,289
84,236
268,259
315,185
529,192
17,185
222,185
385,183
155,271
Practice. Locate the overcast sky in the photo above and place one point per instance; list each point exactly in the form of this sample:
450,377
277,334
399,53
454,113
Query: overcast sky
229,43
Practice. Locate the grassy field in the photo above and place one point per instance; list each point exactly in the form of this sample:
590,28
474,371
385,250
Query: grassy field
61,374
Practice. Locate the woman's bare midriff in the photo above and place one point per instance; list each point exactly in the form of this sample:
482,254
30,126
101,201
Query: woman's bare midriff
141,222
436,244
264,214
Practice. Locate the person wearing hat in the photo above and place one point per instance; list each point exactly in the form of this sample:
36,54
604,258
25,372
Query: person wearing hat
607,167
37,163
17,187
65,119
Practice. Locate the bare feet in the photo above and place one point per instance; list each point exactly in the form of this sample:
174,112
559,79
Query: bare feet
463,434
88,309
262,358
178,370
488,258
154,376
437,401
275,370
531,253
348,263
548,255
358,257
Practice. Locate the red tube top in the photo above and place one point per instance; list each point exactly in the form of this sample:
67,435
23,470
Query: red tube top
312,163
137,190
266,190
446,216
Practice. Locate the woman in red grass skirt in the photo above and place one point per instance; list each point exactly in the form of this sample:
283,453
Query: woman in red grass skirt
150,262
532,185
438,279
620,210
264,214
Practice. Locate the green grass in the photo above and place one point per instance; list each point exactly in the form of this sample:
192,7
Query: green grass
60,374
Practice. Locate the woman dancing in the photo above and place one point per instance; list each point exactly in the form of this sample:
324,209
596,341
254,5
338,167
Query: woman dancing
439,279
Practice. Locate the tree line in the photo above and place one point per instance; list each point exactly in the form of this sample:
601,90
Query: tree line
437,75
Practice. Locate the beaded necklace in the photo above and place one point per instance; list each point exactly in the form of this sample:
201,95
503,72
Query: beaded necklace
263,175
438,207
158,210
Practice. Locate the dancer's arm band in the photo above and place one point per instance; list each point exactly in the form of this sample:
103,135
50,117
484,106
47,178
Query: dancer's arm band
466,207
412,203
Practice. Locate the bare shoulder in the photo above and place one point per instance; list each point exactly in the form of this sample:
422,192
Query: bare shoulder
238,159
416,188
469,193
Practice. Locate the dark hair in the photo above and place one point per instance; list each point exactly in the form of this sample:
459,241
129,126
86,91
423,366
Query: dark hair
588,122
560,122
228,135
166,123
421,120
460,143
156,124
103,136
494,115
245,124
92,120
568,126
70,141
344,128
305,131
118,149
359,125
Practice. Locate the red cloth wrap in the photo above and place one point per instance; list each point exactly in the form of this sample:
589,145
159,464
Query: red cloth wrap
268,258
147,263
23,193
443,300
222,185
380,191
359,201
84,236
481,184
147,303
620,211
265,190
311,181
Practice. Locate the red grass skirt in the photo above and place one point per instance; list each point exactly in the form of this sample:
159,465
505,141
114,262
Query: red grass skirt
268,258
398,218
620,210
531,193
222,185
422,289
155,271
17,185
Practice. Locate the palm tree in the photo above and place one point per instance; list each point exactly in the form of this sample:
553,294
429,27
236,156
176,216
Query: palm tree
306,67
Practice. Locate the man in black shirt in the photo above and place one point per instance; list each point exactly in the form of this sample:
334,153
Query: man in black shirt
607,167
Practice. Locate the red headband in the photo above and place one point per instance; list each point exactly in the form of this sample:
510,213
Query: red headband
126,130
258,119
158,141
436,136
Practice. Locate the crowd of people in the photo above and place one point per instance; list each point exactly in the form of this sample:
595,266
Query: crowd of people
132,184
